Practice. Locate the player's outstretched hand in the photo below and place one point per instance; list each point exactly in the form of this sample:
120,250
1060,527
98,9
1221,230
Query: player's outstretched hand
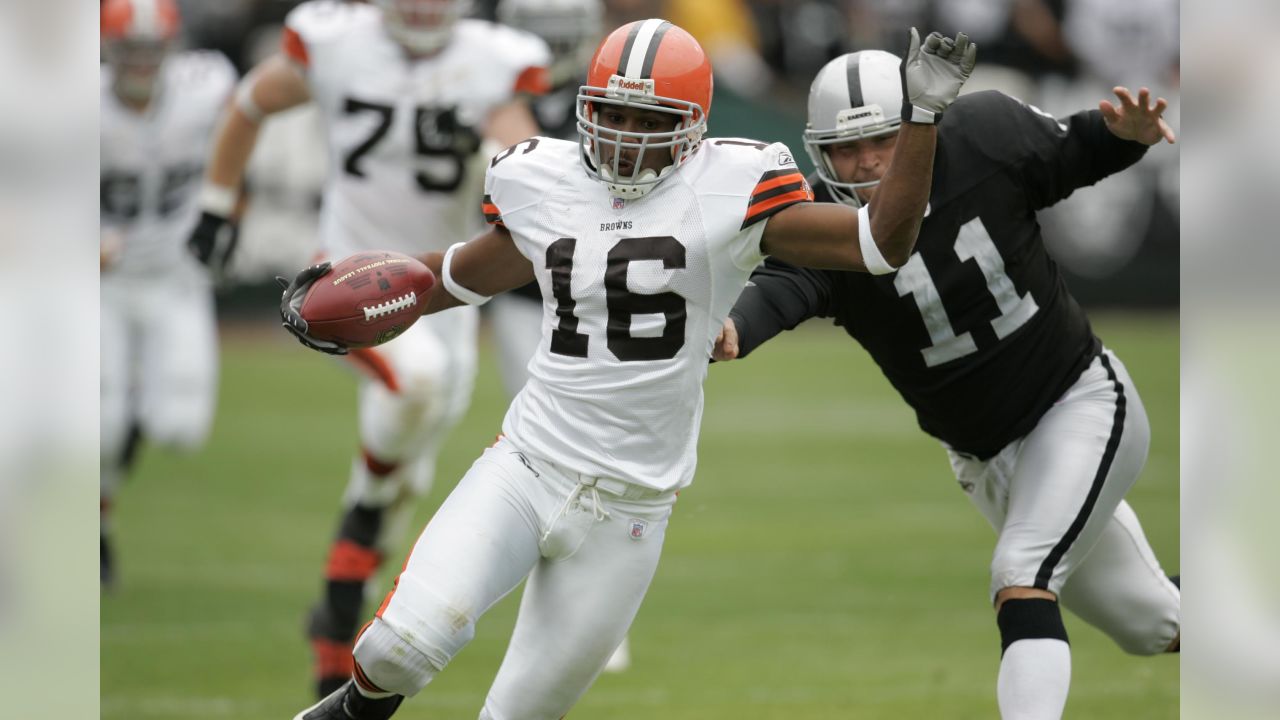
726,343
933,73
1137,120
213,240
291,301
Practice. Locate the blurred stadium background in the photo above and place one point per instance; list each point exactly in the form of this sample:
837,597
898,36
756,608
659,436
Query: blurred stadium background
823,565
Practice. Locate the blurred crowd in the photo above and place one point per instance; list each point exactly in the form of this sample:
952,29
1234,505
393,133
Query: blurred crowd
1061,55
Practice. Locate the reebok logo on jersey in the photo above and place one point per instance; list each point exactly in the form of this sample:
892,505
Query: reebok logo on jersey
786,159
616,225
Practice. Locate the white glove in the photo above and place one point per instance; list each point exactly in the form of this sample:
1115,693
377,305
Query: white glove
932,75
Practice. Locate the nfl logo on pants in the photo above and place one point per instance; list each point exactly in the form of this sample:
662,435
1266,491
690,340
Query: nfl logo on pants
638,527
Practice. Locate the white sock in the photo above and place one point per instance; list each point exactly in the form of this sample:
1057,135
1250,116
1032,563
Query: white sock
1034,677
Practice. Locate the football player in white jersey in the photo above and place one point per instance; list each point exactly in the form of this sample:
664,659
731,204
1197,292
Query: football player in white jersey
640,235
572,29
158,340
409,91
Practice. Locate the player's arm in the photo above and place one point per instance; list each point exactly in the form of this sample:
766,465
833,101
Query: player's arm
1054,158
509,123
275,85
469,273
476,271
779,297
880,238
838,237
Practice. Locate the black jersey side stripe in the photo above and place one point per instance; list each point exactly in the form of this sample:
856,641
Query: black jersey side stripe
1099,479
775,192
652,53
855,82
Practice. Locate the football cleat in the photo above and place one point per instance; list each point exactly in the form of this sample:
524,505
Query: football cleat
346,703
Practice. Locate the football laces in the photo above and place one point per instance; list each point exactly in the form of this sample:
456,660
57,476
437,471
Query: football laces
390,307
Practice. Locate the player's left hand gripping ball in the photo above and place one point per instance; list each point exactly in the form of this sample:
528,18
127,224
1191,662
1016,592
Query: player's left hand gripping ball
365,300
933,73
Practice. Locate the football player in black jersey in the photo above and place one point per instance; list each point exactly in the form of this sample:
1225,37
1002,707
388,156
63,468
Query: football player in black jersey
979,334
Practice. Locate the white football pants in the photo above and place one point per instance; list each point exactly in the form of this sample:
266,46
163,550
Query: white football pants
159,362
1055,499
589,547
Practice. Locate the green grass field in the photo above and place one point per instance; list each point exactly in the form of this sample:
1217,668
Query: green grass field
824,564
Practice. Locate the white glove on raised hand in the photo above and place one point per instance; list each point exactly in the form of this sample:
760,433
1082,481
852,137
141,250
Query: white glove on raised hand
933,73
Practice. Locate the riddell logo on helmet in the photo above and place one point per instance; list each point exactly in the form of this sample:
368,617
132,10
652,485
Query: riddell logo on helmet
619,84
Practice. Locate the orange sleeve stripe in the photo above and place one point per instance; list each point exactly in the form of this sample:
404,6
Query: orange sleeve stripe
294,48
775,182
761,210
490,209
533,80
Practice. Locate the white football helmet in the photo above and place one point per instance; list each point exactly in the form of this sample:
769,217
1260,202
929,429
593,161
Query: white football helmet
422,26
855,96
570,27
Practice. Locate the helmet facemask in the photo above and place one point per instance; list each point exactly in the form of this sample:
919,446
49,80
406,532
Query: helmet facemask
861,123
422,26
136,65
603,147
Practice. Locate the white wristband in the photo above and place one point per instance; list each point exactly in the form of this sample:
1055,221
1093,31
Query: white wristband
218,199
245,102
871,256
456,290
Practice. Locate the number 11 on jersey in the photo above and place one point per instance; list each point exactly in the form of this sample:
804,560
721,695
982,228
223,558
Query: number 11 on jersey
972,243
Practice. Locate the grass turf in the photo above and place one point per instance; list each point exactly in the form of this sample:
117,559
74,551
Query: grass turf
823,565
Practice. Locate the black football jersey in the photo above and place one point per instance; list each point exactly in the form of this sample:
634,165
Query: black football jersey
977,331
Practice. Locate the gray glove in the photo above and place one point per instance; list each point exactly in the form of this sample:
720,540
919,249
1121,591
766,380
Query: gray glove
932,75
291,303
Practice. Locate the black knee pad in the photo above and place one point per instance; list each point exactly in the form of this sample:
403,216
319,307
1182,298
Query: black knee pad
1029,619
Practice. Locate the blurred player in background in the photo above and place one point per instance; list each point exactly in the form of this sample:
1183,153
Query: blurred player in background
640,235
571,28
410,93
978,332
159,338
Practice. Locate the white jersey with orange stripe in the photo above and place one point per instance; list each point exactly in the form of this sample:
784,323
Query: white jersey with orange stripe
404,133
151,162
634,294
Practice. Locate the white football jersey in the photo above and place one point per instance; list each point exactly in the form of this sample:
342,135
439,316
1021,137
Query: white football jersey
634,294
152,162
404,134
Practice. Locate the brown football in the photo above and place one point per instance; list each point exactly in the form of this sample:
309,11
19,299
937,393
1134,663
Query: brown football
366,299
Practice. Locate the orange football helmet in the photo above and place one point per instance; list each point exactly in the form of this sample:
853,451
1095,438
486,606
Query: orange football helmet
136,36
156,20
651,65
